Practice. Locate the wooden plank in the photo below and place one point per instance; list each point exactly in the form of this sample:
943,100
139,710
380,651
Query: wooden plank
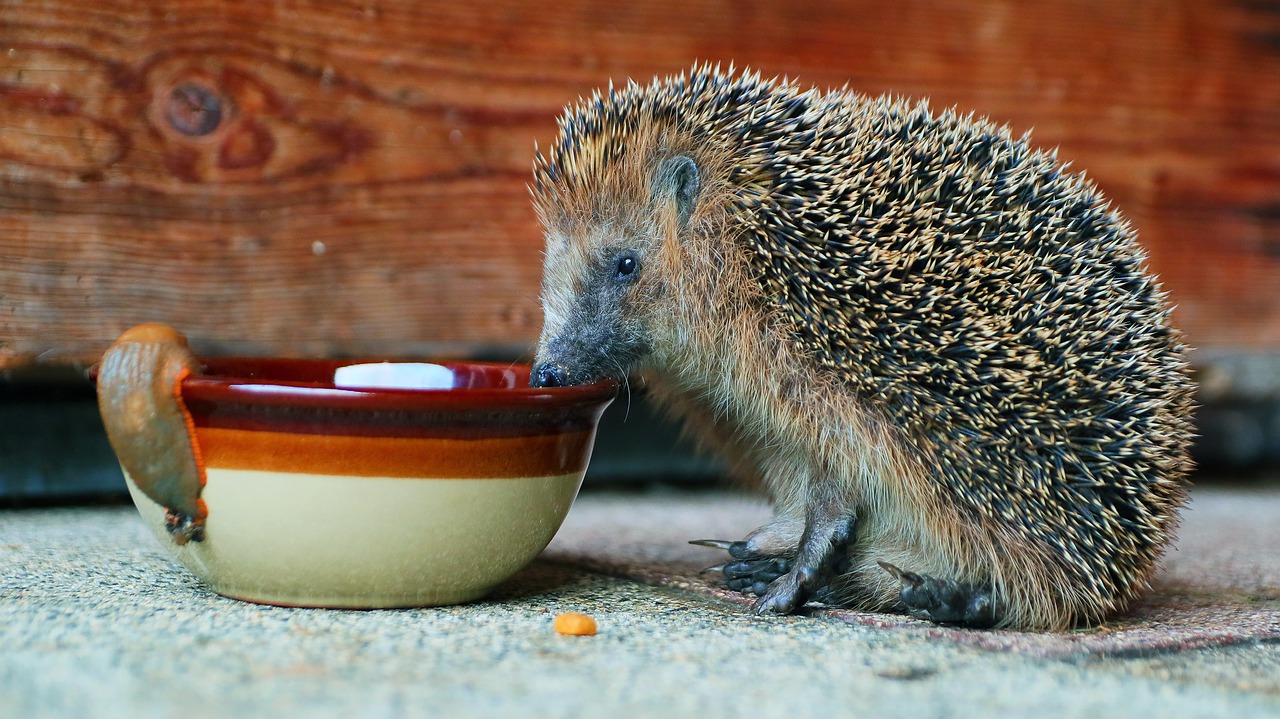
349,178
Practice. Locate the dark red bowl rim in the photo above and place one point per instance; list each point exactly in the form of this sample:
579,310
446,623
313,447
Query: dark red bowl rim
284,382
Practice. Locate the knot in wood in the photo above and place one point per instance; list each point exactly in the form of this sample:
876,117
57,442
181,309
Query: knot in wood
193,109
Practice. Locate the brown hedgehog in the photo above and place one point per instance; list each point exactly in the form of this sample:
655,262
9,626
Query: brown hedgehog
938,351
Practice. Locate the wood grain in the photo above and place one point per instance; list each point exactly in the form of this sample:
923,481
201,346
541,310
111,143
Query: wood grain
349,178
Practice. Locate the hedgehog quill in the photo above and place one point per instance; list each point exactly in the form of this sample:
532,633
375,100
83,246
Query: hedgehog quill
936,349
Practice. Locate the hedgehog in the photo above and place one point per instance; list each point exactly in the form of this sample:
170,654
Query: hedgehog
935,348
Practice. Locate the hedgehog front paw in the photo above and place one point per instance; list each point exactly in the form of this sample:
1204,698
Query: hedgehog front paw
771,578
786,594
754,576
785,582
751,572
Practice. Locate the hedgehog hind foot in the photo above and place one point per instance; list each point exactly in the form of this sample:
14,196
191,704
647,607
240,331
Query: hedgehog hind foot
944,601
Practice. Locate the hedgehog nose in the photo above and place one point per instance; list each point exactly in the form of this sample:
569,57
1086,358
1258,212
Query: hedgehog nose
546,374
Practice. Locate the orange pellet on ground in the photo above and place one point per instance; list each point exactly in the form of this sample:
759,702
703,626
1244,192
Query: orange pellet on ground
579,625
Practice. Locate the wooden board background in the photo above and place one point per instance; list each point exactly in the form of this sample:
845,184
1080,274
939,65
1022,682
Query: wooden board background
350,178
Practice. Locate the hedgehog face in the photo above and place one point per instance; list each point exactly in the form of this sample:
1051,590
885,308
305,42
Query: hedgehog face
594,305
603,280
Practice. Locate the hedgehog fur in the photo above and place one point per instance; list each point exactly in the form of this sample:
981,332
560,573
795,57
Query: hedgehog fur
911,317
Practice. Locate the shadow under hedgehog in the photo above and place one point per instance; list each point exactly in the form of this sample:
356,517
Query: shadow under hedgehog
938,351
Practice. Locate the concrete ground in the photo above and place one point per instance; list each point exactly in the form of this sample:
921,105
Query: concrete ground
97,621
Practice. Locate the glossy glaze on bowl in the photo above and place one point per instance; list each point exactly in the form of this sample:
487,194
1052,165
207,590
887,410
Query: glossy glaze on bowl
348,497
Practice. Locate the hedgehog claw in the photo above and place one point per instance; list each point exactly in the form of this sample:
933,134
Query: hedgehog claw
742,549
901,575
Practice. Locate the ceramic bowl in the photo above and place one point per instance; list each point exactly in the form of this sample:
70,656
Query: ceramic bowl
369,484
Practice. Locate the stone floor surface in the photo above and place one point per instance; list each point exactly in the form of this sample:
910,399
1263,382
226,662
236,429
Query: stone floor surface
97,621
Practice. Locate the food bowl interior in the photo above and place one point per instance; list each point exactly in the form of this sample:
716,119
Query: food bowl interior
359,374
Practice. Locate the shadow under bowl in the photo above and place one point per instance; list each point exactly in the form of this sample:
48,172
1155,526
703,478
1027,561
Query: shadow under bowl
371,484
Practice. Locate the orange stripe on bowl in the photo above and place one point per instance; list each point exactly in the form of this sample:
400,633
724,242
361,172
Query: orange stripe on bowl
534,456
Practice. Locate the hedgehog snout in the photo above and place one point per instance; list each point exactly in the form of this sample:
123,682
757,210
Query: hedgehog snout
548,374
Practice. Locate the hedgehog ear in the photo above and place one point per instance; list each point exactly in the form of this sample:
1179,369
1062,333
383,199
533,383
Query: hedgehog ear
677,178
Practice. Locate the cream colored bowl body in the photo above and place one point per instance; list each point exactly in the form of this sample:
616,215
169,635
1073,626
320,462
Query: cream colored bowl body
339,541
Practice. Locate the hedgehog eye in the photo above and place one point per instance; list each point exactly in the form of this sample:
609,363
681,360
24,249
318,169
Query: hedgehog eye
626,268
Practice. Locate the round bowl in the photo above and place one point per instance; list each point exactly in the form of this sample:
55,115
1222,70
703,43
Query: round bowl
371,484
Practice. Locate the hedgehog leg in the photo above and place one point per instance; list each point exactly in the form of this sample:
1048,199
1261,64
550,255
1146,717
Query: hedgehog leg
821,557
944,601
